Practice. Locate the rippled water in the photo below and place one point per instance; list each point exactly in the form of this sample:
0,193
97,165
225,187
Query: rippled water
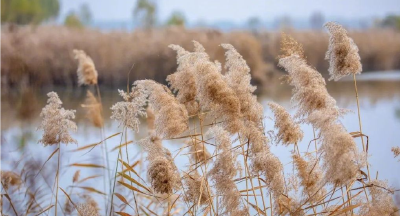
379,106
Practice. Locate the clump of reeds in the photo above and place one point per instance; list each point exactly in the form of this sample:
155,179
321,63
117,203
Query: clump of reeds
204,97
87,73
342,53
316,106
56,122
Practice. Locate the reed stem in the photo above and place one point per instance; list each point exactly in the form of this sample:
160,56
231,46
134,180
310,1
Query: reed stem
360,125
57,176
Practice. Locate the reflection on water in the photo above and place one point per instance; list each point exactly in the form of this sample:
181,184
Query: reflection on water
379,106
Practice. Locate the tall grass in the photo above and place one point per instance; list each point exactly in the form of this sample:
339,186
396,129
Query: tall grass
231,170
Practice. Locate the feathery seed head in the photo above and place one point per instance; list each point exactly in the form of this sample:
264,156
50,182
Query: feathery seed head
196,191
87,73
127,112
342,53
199,152
289,131
162,172
289,46
215,95
56,122
183,81
238,78
171,117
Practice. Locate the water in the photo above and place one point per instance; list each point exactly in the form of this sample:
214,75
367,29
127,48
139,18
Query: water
379,107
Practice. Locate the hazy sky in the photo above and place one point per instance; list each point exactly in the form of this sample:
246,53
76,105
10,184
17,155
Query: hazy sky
240,10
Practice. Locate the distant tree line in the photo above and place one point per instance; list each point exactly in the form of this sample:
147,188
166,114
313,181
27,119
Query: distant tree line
28,11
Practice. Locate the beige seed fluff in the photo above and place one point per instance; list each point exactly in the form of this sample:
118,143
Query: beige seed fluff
56,122
342,53
171,117
289,132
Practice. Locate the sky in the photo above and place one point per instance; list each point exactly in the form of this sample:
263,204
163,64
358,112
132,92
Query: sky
240,10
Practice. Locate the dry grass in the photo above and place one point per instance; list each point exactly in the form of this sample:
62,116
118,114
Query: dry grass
223,135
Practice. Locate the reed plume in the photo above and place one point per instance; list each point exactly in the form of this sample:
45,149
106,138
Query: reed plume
309,92
162,172
342,53
269,165
127,112
310,177
9,178
215,95
56,122
93,110
85,209
381,202
238,78
87,73
198,152
223,172
396,151
196,189
183,81
341,159
289,46
171,117
289,132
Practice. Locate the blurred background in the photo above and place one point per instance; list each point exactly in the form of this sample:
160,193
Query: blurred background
38,36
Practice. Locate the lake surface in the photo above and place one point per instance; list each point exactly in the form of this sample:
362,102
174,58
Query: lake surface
379,106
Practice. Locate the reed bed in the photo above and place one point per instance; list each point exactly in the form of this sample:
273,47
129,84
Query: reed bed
209,108
42,55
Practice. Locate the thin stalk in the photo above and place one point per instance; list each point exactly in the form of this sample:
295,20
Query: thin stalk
205,165
115,173
360,124
8,200
57,176
262,195
130,175
315,143
245,158
104,148
270,202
